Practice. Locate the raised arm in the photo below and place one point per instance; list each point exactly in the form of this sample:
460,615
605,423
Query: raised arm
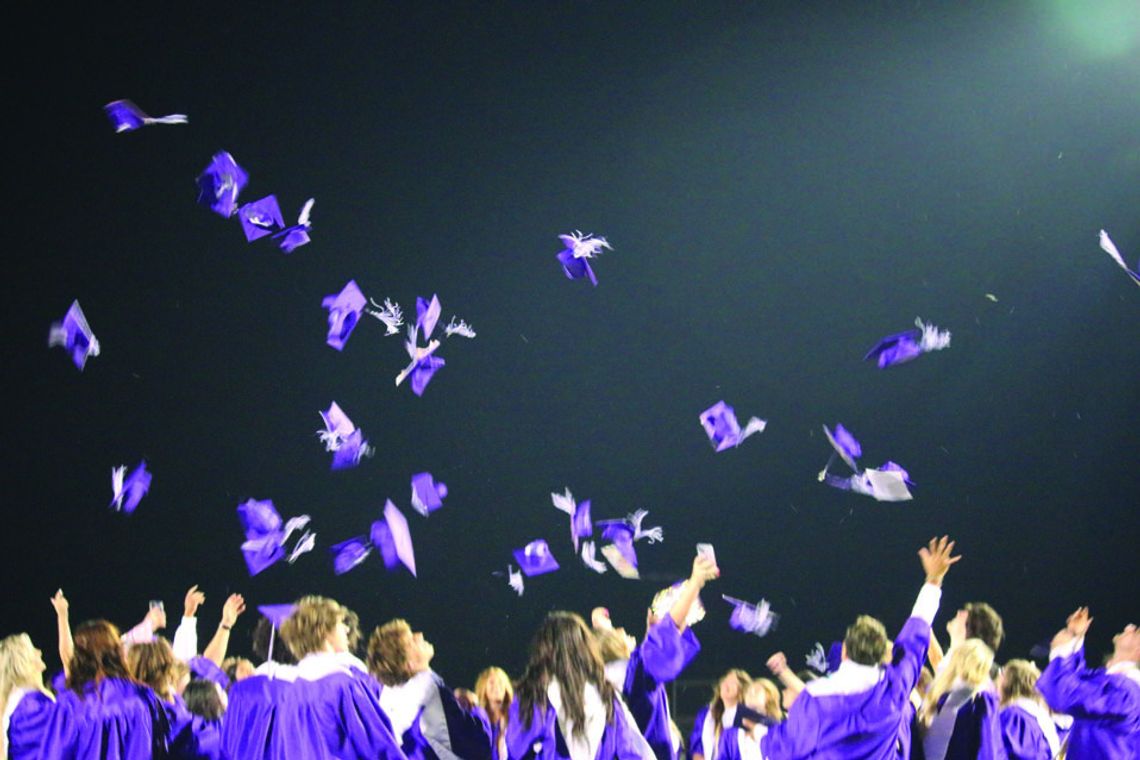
155,620
63,624
1070,687
778,664
703,572
216,649
185,642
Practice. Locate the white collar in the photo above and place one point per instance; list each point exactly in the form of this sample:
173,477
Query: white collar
580,749
321,664
850,678
1044,720
1125,668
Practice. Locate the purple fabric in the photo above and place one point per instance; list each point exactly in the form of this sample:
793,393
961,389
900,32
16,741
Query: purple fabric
27,725
199,739
221,183
542,739
658,660
864,724
468,731
977,730
896,349
252,717
574,268
345,309
260,218
200,667
1105,707
1022,735
696,738
115,719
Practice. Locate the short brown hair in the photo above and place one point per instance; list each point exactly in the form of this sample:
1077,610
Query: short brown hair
307,629
983,622
866,641
388,652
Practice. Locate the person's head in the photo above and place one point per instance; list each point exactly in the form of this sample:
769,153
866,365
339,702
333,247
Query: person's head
317,625
763,696
237,668
97,653
396,652
968,665
21,665
352,620
152,662
1126,645
866,642
1018,680
600,619
983,622
262,634
614,644
493,692
205,699
563,649
731,686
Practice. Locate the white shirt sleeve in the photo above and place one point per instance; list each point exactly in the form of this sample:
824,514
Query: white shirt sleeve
185,642
926,605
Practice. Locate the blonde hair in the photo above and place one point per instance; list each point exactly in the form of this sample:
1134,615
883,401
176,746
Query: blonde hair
771,696
716,707
612,644
308,628
18,667
1019,680
969,663
483,682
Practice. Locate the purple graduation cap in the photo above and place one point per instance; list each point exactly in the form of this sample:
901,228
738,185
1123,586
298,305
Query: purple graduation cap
296,236
427,494
905,346
260,218
757,618
427,314
1109,247
580,524
129,492
75,335
266,536
880,484
574,258
348,554
276,615
345,309
343,438
621,534
220,184
259,517
125,116
423,365
719,422
845,445
535,558
394,539
261,552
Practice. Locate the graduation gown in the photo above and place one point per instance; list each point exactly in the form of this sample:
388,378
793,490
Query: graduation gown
430,724
966,728
113,719
26,717
658,660
1105,705
543,739
857,712
1028,732
252,716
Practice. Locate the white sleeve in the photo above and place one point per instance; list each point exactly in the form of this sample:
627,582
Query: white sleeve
926,605
185,643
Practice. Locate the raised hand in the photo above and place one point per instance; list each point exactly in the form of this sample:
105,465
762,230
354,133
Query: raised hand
193,599
234,606
703,571
777,663
936,559
59,602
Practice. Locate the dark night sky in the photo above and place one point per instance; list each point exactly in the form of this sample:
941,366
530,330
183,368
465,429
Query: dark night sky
782,186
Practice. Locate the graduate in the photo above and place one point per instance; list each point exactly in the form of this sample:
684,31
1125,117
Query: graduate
104,712
857,712
427,718
1027,729
564,707
330,710
1104,702
24,702
641,673
720,714
494,693
959,713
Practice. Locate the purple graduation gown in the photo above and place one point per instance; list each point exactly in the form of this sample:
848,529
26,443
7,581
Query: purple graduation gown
858,724
252,715
1022,736
696,738
543,740
1105,707
657,661
977,730
468,732
331,710
27,722
114,719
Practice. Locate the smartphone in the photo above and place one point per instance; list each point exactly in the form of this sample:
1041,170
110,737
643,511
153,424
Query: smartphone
157,603
706,550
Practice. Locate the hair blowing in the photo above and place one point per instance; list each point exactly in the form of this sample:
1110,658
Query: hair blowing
98,654
564,650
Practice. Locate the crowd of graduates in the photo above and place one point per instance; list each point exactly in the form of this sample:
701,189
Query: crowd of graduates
589,691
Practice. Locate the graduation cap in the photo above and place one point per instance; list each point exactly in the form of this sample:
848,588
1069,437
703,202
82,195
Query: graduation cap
581,525
74,334
276,615
423,365
220,184
427,314
266,536
394,539
129,492
845,445
574,258
125,116
744,712
343,438
757,618
427,494
291,238
723,429
260,218
535,558
620,562
348,554
908,345
345,309
259,517
201,667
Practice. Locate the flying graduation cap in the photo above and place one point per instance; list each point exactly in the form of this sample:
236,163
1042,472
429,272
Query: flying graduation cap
579,249
125,116
220,184
722,428
427,494
757,618
129,491
906,346
266,535
536,558
580,524
296,236
276,615
345,309
74,334
343,438
390,535
260,218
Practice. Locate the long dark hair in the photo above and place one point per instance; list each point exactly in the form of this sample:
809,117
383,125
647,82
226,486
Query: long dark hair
565,650
98,654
